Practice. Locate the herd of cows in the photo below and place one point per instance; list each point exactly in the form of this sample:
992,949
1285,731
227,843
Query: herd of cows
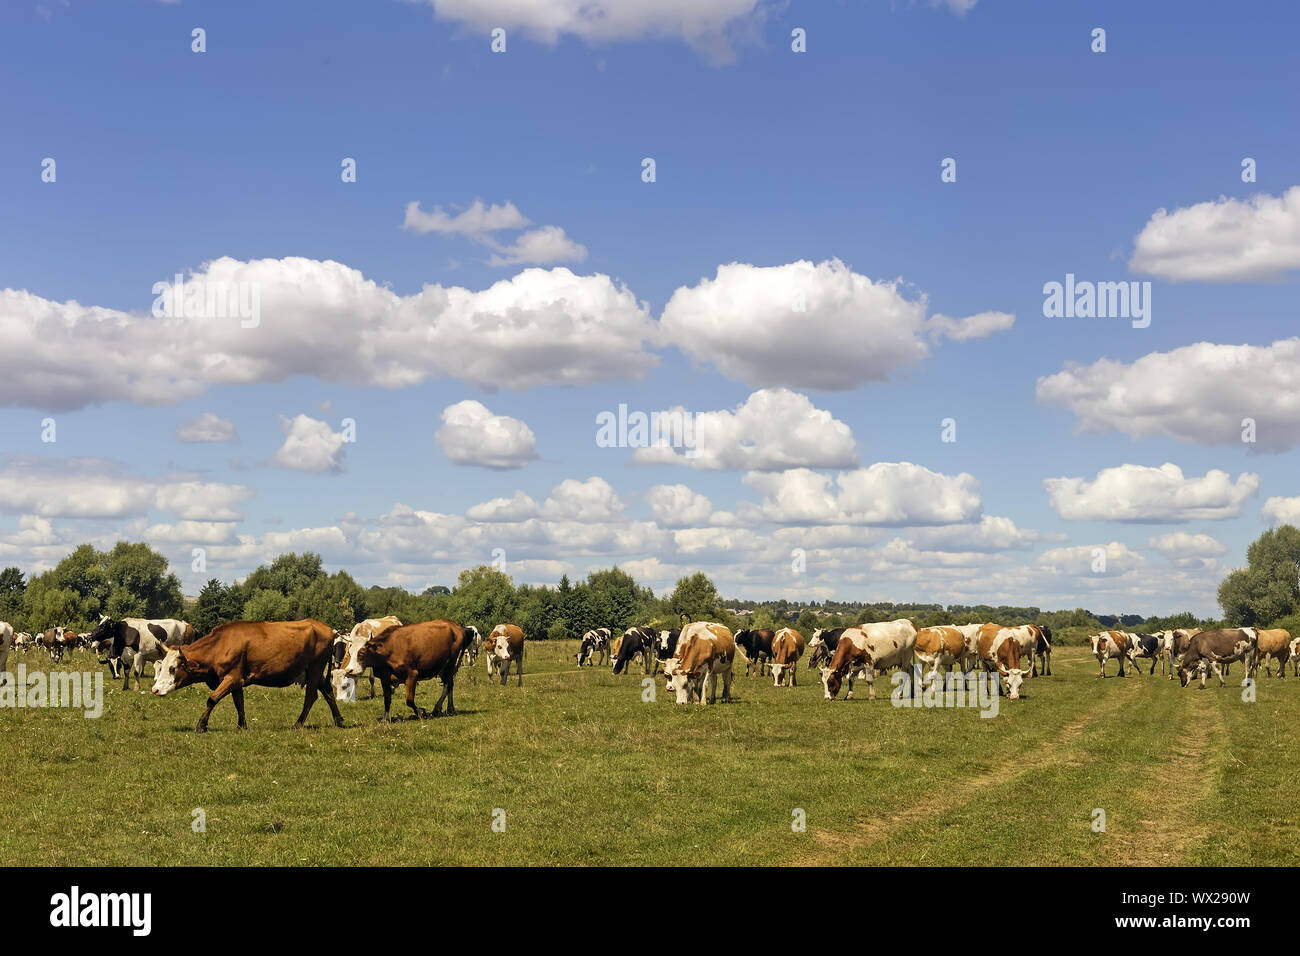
695,657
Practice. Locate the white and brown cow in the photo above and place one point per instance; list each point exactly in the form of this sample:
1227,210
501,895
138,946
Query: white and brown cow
503,647
344,650
787,647
1000,650
1213,649
705,652
865,650
1274,644
1117,644
938,648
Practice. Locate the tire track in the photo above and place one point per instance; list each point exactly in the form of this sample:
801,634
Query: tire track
834,845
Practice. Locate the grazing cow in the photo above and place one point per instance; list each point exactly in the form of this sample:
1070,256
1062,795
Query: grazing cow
757,645
1295,655
704,653
1000,650
503,647
1176,644
24,641
822,646
787,646
1211,649
595,641
868,648
52,642
1148,646
473,644
1028,636
939,648
665,647
408,654
1273,644
345,648
243,653
1117,644
6,642
635,640
136,642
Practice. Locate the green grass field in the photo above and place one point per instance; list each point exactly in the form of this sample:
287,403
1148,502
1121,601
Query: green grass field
587,773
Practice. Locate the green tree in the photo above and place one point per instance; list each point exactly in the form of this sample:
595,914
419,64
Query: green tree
484,597
696,597
12,587
1268,588
218,603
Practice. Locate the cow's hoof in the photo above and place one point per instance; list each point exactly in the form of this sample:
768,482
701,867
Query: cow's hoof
298,725
241,726
200,728
338,722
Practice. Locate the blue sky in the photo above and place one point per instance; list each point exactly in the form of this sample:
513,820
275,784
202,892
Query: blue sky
168,160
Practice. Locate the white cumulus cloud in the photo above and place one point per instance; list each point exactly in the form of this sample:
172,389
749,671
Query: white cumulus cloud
472,435
310,445
1137,493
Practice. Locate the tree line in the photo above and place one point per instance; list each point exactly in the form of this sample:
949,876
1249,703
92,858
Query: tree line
133,580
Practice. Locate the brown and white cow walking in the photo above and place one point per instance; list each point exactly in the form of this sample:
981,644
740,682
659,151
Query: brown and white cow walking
787,647
503,647
705,652
865,650
408,654
1117,644
243,653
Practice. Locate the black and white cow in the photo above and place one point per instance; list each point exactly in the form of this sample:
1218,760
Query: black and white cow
665,648
636,640
595,641
138,641
821,646
1149,646
1213,649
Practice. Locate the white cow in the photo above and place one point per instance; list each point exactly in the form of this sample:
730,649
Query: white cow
704,653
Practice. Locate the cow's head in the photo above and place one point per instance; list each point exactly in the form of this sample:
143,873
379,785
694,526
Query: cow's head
831,682
362,653
1014,677
174,672
679,680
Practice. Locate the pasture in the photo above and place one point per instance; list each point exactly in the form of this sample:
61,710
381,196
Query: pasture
587,773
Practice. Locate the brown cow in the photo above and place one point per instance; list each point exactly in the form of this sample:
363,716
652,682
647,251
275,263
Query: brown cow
1118,644
504,646
410,653
1176,642
787,647
52,642
1274,644
242,653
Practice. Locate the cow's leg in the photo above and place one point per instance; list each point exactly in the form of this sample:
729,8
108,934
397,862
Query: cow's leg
313,688
726,686
521,668
794,674
327,691
871,683
228,683
448,685
413,678
372,685
386,684
128,664
237,695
